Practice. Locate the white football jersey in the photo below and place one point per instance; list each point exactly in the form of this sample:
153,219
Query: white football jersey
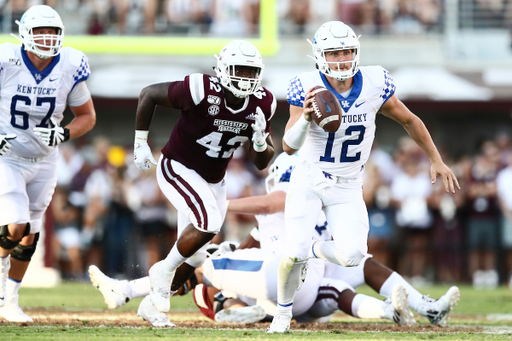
345,152
29,98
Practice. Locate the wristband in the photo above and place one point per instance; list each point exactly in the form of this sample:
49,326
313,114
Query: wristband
255,234
296,135
261,148
141,136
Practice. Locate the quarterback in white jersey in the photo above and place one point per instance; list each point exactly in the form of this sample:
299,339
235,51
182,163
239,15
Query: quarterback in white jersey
329,177
38,79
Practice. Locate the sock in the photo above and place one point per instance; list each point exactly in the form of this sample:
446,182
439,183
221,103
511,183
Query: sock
327,251
139,287
414,295
288,280
173,260
11,291
367,307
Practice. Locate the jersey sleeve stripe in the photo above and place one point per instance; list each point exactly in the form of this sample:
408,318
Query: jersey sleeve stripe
273,108
295,94
196,87
389,87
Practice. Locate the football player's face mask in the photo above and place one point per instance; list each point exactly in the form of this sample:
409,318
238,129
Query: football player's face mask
336,50
240,68
280,170
44,43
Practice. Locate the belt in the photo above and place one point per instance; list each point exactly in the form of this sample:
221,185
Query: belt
26,159
338,179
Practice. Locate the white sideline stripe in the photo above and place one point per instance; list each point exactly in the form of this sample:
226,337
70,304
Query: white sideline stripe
499,317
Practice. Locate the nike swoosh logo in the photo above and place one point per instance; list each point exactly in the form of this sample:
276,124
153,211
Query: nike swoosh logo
52,80
359,104
327,105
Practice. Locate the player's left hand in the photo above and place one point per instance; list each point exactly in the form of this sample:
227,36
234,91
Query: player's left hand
54,135
259,136
449,179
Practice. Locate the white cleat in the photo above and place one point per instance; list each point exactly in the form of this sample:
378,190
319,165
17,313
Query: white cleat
160,291
436,311
250,314
400,303
13,313
114,292
280,324
5,265
149,313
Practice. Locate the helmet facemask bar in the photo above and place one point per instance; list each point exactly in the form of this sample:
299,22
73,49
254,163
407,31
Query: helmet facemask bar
240,86
49,46
332,69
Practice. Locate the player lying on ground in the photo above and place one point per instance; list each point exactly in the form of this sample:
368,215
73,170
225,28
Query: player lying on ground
332,285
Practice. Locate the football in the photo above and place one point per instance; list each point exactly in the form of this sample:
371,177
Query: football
327,109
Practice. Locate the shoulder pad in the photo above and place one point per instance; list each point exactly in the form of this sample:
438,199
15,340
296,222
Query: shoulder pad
7,52
196,84
77,64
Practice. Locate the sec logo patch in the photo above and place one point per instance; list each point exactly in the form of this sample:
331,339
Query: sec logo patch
213,110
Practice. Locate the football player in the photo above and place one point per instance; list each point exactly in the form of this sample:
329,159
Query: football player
37,80
251,274
329,178
218,115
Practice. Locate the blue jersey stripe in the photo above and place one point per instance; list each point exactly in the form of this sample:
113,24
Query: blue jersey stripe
237,264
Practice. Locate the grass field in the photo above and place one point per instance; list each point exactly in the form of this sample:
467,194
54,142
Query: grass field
76,311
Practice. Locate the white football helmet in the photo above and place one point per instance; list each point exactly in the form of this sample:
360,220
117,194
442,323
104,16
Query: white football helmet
332,36
41,16
280,170
239,53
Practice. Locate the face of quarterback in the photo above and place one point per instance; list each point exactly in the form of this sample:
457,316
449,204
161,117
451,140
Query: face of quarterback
339,60
42,35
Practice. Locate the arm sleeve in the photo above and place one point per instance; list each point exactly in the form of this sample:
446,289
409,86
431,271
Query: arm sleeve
179,95
79,95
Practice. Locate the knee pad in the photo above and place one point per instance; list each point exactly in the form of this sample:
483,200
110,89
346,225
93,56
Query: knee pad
349,259
197,259
24,253
8,244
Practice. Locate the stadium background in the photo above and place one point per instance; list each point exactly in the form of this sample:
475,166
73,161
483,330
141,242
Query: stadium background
451,62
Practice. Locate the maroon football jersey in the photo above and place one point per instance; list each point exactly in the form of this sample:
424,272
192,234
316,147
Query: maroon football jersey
208,132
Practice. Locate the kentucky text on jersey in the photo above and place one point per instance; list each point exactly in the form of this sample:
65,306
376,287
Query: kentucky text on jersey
353,118
37,90
232,126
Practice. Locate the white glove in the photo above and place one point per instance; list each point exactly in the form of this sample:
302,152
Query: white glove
259,136
142,156
54,135
4,143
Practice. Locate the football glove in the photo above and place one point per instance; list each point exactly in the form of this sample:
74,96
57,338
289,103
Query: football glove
259,136
142,156
4,143
54,135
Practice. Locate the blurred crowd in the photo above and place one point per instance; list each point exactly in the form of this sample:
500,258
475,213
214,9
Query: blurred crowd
241,17
106,212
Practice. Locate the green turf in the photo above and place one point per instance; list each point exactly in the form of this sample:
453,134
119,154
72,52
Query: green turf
472,311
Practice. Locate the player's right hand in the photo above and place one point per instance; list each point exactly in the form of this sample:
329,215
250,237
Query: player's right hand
142,156
4,143
308,105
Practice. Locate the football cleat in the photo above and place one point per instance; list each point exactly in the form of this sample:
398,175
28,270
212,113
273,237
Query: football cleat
399,307
436,311
151,314
5,265
250,314
160,291
280,324
114,292
12,312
